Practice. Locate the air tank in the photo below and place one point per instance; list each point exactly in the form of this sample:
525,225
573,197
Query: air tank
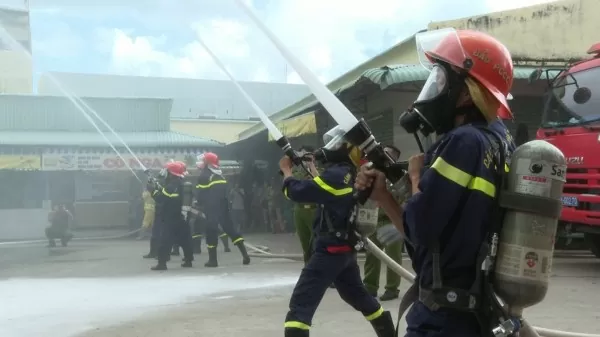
526,243
188,188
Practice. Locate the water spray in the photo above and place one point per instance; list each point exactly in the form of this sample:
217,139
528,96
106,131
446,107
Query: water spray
358,132
78,103
280,139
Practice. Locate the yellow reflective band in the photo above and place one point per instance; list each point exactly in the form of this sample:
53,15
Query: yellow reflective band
223,235
334,191
506,168
285,194
238,240
195,236
210,246
170,195
296,325
215,182
462,178
482,185
375,315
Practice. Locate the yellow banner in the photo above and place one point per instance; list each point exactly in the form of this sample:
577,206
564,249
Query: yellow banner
297,126
16,162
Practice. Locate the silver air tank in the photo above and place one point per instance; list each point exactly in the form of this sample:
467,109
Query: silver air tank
526,243
188,189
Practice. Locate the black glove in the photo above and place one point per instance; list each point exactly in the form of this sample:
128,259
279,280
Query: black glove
152,185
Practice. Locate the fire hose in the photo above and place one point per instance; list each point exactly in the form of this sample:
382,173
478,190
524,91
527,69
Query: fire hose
526,330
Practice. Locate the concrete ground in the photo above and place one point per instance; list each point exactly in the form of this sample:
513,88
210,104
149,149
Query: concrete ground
104,288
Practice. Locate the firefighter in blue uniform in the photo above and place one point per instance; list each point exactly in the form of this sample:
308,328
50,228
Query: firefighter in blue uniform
334,256
212,196
448,216
172,227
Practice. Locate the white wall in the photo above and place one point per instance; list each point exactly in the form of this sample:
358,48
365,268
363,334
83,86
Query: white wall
23,224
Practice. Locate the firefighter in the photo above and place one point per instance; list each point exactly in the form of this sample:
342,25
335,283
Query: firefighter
334,255
169,203
59,220
448,216
304,214
148,219
212,196
393,250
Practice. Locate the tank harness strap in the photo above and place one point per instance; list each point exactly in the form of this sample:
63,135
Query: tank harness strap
531,204
410,297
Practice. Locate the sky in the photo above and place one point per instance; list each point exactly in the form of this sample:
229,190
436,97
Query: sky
160,37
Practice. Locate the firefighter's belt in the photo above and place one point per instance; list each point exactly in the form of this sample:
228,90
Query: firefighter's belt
337,234
452,298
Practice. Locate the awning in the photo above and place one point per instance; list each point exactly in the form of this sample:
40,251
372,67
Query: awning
297,126
18,162
388,77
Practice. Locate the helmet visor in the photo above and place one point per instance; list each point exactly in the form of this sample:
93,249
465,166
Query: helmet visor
441,44
334,138
435,85
200,162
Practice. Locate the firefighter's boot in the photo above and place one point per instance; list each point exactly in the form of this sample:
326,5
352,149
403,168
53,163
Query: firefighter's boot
186,264
65,239
153,249
161,265
295,332
242,247
384,325
51,243
212,258
225,241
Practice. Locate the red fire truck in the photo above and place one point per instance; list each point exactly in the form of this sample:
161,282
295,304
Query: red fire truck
571,121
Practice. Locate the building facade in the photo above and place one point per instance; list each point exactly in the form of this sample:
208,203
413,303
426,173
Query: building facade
53,153
16,70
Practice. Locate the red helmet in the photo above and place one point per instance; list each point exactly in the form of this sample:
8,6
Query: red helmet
207,160
176,168
484,58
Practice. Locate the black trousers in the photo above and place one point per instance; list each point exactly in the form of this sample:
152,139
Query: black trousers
329,264
213,232
175,232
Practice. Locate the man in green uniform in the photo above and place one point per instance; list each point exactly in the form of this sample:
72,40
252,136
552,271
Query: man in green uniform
304,214
394,250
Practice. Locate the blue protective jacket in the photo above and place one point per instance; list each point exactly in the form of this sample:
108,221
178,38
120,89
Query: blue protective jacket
454,204
332,190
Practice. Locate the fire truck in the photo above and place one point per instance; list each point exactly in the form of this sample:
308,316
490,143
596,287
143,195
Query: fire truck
571,121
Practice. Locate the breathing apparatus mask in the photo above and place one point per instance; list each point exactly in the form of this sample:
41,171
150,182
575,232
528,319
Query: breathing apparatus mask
336,149
435,109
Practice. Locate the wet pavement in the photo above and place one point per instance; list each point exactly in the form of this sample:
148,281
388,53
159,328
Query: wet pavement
104,288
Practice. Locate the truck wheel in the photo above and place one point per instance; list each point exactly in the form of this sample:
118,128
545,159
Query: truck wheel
593,243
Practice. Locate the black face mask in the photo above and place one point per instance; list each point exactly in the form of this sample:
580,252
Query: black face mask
435,108
327,156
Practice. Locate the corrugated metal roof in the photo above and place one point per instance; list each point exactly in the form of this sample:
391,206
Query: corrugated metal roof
191,97
388,76
406,73
94,139
54,113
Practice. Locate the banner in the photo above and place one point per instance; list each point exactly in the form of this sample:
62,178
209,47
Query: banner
17,162
109,162
297,126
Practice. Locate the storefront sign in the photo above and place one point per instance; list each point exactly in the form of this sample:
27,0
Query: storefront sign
107,162
17,162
